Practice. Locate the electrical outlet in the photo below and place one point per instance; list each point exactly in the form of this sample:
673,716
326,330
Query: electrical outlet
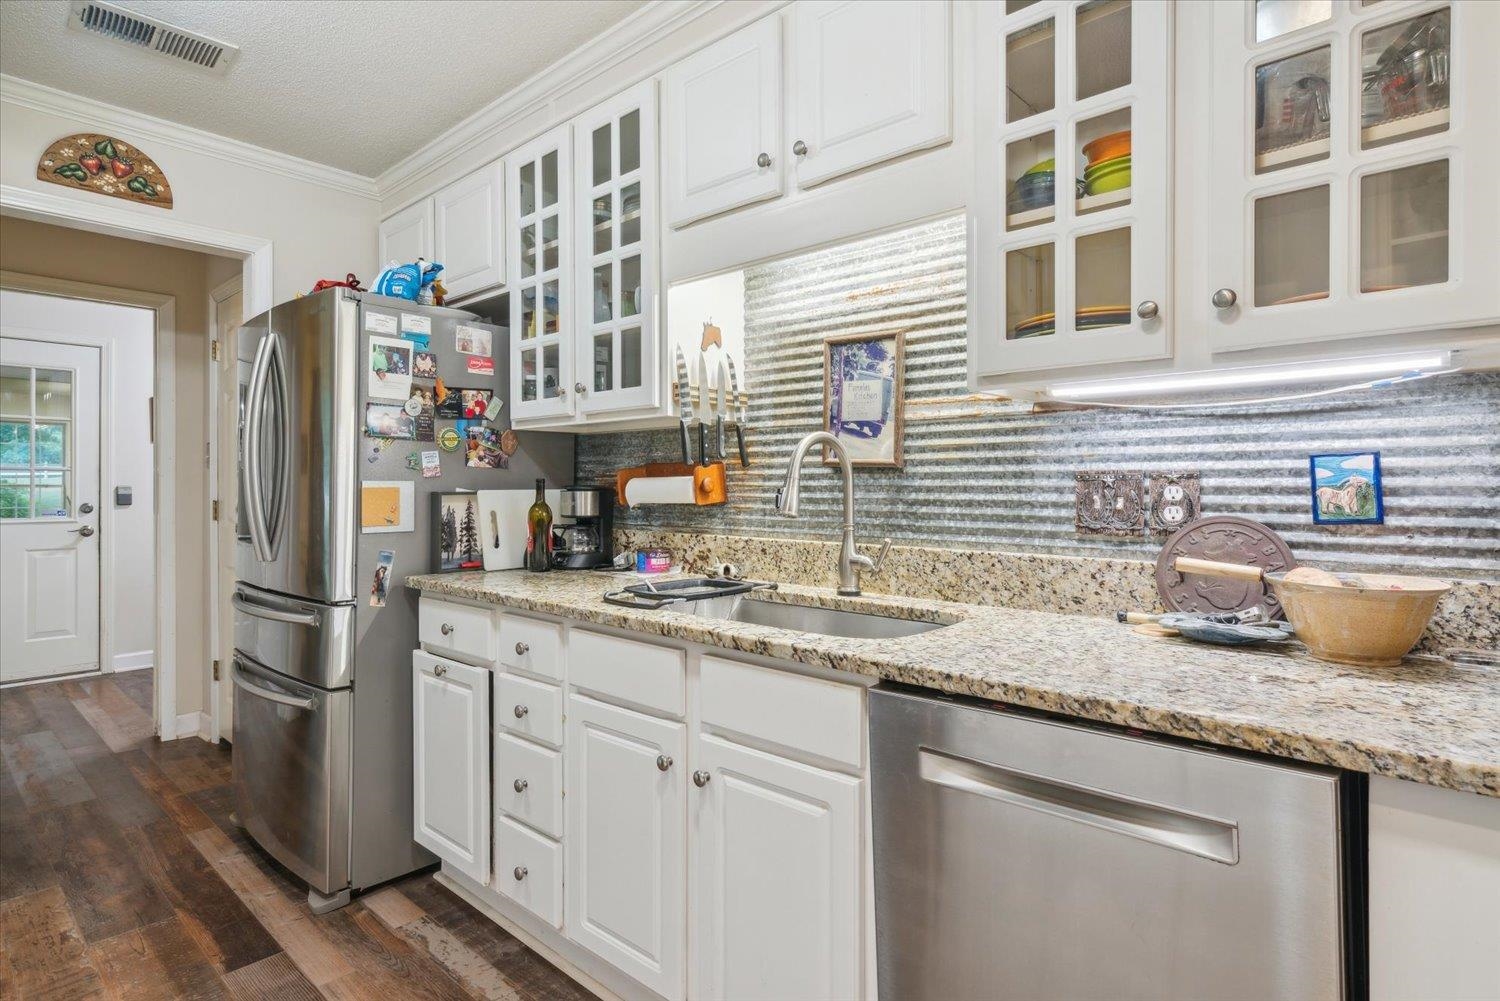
1109,502
1174,501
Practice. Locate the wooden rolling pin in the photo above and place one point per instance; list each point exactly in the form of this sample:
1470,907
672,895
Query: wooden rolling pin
1240,571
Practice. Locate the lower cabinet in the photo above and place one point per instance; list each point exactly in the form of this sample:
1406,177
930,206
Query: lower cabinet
451,762
529,870
777,873
626,841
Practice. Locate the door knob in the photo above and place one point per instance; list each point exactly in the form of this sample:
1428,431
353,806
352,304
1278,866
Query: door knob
521,649
439,670
764,160
521,711
446,629
519,785
663,762
85,508
83,530
519,872
580,388
1147,309
700,778
799,147
1224,298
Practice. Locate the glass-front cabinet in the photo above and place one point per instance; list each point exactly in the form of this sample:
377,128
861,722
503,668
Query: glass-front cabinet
539,259
1070,214
617,234
1353,145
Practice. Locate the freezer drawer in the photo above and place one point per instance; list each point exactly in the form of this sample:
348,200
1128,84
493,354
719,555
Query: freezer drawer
291,771
1021,857
302,639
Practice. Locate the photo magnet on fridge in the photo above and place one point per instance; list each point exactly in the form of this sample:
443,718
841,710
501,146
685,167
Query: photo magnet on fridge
387,420
469,340
381,585
420,408
390,369
464,404
424,365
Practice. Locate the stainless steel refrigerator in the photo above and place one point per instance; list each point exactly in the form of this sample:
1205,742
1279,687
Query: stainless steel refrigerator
322,734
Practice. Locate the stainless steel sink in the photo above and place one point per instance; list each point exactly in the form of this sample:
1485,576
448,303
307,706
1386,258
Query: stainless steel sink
807,619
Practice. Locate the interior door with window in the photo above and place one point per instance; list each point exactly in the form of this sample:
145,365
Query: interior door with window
49,497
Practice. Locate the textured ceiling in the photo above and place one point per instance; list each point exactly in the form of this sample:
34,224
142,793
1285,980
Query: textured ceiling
356,84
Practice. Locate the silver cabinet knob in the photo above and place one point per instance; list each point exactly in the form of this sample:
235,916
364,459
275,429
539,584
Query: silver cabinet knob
799,147
1147,309
521,649
764,160
700,778
83,530
446,629
580,388
1224,298
519,872
521,711
519,785
439,670
85,508
663,762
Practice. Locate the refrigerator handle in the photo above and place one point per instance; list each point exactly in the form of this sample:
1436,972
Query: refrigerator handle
250,608
250,457
276,377
295,702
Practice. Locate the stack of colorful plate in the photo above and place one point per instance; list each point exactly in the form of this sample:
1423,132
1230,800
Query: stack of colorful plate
1108,166
1034,189
1094,317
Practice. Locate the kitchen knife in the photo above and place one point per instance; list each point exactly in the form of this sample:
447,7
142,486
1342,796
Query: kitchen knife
738,399
699,390
684,405
724,401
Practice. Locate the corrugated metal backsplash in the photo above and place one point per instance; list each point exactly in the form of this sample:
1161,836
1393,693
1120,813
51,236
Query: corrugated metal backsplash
993,475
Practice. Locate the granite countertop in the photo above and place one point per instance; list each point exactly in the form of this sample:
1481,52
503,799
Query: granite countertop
1427,721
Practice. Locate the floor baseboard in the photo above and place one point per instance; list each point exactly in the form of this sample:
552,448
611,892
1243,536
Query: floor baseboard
198,725
140,660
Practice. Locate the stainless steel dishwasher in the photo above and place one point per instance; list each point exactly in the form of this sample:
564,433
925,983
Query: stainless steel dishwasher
1021,856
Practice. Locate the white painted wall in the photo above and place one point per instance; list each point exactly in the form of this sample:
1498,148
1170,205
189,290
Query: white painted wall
132,530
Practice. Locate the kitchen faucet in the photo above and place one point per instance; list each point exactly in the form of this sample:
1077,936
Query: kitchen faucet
850,562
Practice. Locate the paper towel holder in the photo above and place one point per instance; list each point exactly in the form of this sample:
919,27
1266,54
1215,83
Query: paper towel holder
701,485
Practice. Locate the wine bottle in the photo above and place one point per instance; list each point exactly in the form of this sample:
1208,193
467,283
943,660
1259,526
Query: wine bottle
539,532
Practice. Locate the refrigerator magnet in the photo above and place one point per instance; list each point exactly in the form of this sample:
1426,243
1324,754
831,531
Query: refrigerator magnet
380,323
381,585
415,326
469,340
481,366
432,464
424,365
390,369
386,506
492,409
449,439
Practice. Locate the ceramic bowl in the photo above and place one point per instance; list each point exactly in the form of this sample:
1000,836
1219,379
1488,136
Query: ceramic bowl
1105,165
1110,180
1108,147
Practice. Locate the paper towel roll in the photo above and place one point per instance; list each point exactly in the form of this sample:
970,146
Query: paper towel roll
659,490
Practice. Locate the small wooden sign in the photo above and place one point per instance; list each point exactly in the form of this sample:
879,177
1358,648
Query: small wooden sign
105,166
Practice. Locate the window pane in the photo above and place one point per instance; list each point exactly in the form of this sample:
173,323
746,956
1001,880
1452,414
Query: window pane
1029,70
630,142
1406,75
604,296
528,375
1403,227
54,393
1102,262
15,443
604,362
551,307
51,444
630,286
1277,17
528,251
630,214
601,155
1103,46
550,382
15,391
1293,114
528,188
549,243
630,357
1030,172
528,312
549,179
50,496
15,495
1291,247
1029,276
1011,6
1104,155
602,225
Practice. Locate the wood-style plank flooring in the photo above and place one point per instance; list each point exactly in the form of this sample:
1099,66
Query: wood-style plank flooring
122,876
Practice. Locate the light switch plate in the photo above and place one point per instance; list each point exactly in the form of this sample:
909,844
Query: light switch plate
1174,501
1109,502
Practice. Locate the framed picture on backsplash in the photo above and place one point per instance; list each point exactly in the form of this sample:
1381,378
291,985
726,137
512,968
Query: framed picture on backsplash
1346,489
863,397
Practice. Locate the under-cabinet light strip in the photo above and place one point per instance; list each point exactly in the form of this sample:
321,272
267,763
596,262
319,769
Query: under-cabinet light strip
1316,371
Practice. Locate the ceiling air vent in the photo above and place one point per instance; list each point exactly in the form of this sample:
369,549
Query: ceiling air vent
148,33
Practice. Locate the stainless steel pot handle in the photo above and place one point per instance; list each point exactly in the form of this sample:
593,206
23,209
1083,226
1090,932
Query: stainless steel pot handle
242,603
250,454
294,701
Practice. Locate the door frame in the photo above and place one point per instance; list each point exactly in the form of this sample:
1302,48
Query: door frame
164,411
217,296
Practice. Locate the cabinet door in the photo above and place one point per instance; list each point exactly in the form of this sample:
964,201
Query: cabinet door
407,235
723,124
777,900
1353,154
469,216
451,762
539,263
1070,211
625,844
615,183
872,82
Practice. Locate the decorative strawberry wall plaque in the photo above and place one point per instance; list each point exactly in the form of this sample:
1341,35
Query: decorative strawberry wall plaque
105,166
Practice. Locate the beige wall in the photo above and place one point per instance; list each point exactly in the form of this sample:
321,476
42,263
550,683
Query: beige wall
75,255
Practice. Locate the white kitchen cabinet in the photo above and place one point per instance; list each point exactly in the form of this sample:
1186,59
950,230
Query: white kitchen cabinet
870,82
407,235
539,263
625,846
451,762
723,142
1070,259
617,332
777,904
1353,151
468,218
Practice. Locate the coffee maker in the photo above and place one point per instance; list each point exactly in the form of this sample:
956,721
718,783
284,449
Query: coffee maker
583,535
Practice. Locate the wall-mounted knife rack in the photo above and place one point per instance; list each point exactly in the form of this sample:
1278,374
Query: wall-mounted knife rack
722,402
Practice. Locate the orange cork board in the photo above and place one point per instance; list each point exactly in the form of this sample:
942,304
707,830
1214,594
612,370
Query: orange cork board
106,166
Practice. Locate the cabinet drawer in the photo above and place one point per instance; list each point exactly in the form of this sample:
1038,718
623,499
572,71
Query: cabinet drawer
460,630
528,783
639,673
530,708
818,717
531,645
528,870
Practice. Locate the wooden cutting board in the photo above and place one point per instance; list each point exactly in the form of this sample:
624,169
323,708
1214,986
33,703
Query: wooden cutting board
1226,539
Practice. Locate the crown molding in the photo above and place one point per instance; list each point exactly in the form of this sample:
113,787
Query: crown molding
618,47
139,127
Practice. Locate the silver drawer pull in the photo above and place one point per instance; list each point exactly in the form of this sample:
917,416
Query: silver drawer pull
700,778
522,648
445,629
521,711
519,785
439,670
519,872
663,762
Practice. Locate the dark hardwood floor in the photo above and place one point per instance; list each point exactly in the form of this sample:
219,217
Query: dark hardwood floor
122,876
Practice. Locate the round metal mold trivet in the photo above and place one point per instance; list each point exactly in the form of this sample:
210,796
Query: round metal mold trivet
1226,539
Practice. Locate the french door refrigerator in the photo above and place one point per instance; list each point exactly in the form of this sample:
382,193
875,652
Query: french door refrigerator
322,731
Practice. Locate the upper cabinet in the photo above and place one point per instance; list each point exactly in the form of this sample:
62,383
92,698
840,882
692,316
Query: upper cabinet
469,217
407,235
1353,153
539,260
1070,210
